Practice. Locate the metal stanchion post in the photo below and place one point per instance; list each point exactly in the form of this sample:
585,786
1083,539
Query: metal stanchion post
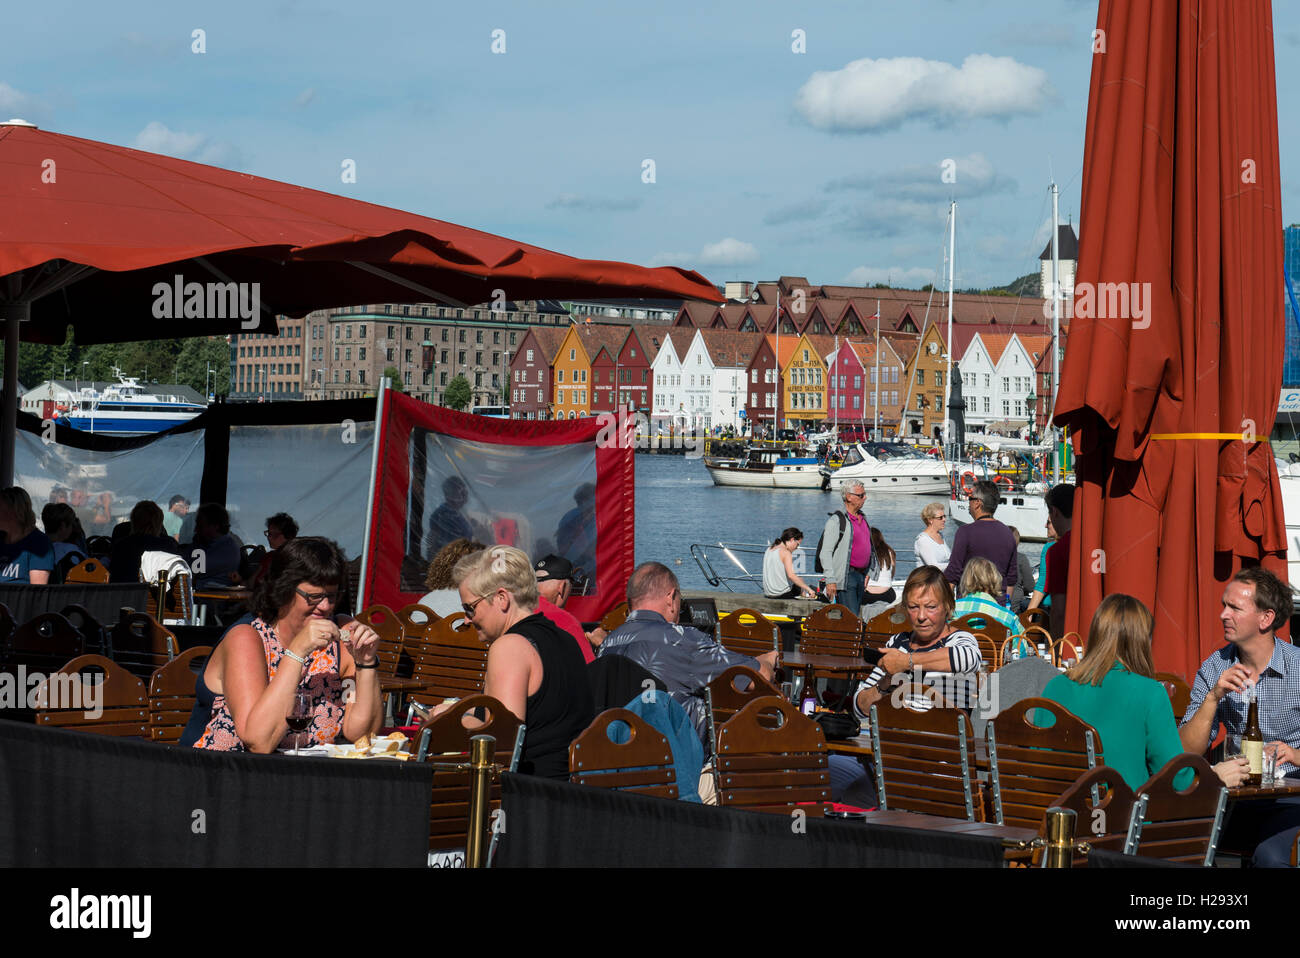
482,748
1059,852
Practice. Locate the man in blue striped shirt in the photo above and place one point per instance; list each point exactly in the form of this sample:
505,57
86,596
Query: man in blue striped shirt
1255,603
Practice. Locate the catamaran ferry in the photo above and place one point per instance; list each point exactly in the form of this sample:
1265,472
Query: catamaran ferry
126,409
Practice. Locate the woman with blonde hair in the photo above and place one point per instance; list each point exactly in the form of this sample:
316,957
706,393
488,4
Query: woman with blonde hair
981,582
533,667
929,546
1113,690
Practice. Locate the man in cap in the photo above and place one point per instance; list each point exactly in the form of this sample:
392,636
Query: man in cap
553,586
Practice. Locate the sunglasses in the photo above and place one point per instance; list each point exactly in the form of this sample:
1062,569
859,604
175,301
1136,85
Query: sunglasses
469,608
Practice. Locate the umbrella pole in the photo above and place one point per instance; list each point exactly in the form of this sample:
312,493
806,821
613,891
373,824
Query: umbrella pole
12,314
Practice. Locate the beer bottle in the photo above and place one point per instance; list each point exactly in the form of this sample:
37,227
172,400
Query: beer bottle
1252,741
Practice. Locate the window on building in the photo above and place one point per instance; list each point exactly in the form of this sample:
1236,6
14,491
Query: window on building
361,353
407,355
559,375
442,379
528,355
460,357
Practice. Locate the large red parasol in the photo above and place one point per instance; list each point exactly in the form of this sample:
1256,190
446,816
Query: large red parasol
1171,381
96,236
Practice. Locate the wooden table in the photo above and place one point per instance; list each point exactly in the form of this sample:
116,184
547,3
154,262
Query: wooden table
858,745
1290,787
847,664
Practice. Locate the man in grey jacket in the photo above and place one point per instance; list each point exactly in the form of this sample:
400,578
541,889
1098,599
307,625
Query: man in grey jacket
844,556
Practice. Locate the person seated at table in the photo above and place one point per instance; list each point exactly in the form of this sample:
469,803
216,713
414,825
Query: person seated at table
780,581
533,667
26,555
215,554
280,528
878,591
64,529
146,535
949,656
1112,689
443,596
981,583
290,642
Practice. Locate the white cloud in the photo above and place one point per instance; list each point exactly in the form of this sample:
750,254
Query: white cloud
305,97
869,95
913,277
972,175
15,102
726,252
158,138
729,252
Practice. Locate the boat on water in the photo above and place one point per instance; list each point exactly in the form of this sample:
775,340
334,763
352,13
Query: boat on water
762,468
126,408
892,467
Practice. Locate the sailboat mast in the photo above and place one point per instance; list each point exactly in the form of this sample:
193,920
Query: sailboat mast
1056,329
875,434
776,362
947,380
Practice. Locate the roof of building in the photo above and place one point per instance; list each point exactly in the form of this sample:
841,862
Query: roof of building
729,347
1066,242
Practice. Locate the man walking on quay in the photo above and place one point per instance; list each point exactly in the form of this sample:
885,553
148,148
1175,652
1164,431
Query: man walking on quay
845,549
984,536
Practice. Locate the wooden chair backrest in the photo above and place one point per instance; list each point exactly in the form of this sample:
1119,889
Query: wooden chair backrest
768,769
925,761
64,699
642,763
831,630
989,651
93,636
42,643
1036,616
1178,826
139,644
388,627
1103,805
416,619
89,570
1180,693
748,632
725,700
881,628
614,617
445,739
975,622
451,659
171,693
1031,766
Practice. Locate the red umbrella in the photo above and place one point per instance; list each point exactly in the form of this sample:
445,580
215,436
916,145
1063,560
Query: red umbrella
1171,380
126,245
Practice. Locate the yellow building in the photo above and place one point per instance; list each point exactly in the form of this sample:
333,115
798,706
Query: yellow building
572,377
923,410
803,380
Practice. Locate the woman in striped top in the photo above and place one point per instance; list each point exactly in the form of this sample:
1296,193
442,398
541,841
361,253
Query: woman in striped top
934,649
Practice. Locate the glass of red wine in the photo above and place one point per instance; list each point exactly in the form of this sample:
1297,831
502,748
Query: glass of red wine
299,717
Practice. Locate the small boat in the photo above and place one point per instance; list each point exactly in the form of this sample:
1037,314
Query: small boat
892,467
127,408
767,469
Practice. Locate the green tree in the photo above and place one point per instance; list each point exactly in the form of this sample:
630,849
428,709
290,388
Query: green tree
394,380
458,394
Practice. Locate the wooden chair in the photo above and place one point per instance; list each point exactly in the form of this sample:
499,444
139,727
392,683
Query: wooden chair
1178,826
1103,806
925,761
748,632
883,627
769,769
139,644
391,636
450,660
94,639
642,762
1036,635
445,739
725,699
1180,693
171,693
42,644
1037,616
614,617
832,630
988,651
100,546
975,622
416,619
1030,766
91,570
1069,646
93,694
1013,647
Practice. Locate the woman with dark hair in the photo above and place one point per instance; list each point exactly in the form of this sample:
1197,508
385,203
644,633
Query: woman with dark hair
780,581
878,590
290,643
64,529
146,535
443,597
280,528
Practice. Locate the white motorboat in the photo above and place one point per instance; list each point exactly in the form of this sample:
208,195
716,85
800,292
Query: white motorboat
1289,481
126,408
1022,507
767,469
892,467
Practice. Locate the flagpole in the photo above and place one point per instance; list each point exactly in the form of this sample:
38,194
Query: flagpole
836,373
776,362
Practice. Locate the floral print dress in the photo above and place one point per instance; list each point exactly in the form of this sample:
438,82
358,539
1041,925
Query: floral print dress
320,677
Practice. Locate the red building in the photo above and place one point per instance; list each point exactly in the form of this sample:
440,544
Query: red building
762,399
531,387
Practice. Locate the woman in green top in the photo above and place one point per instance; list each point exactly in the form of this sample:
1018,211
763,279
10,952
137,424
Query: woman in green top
1112,689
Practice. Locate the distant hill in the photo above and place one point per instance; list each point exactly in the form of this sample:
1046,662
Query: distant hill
1031,284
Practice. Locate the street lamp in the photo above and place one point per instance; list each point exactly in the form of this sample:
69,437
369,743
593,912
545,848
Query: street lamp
1031,406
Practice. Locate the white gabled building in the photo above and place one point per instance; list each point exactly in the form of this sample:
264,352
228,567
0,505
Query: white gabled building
997,374
669,379
730,352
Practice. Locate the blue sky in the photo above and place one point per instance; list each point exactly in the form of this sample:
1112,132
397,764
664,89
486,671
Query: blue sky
824,163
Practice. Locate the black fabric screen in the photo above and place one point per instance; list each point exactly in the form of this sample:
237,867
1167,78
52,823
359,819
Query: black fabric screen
1104,859
103,602
73,799
556,824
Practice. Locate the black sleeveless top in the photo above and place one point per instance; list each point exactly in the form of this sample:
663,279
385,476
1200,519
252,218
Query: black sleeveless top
562,706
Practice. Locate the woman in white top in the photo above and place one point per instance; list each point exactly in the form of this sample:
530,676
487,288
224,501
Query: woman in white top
930,547
780,581
878,593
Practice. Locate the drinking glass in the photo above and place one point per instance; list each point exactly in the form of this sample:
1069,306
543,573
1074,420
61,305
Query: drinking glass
1269,767
299,717
787,691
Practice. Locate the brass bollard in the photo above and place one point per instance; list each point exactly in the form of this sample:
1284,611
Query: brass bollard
1060,838
481,750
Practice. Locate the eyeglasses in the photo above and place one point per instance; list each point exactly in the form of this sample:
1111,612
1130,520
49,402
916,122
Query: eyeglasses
860,495
316,598
469,609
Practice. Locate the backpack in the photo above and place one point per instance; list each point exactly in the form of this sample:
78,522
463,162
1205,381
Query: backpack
844,525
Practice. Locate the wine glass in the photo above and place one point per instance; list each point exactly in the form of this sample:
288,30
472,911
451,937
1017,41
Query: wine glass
299,717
